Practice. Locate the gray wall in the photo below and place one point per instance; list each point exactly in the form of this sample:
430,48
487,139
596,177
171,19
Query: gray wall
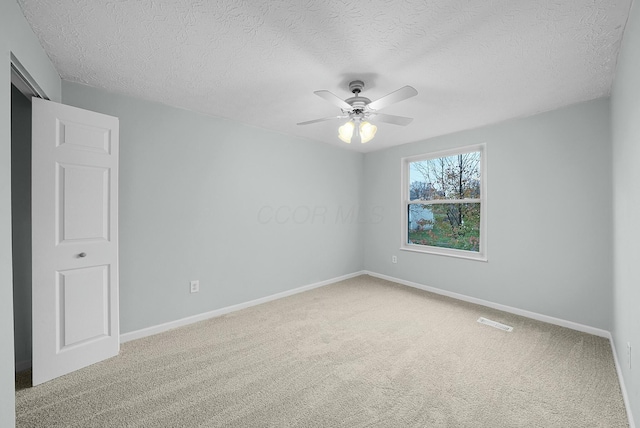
625,122
549,216
21,220
199,199
15,37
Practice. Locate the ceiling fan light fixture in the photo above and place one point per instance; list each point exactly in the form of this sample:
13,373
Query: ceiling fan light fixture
367,131
345,132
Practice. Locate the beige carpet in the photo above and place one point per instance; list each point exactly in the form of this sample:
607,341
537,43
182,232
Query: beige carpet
360,353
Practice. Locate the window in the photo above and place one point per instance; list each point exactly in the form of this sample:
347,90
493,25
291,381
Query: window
443,203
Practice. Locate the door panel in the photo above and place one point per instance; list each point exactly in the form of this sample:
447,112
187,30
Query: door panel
81,291
83,207
83,137
75,239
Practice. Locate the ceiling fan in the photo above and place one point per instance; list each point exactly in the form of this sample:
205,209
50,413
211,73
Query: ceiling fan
360,110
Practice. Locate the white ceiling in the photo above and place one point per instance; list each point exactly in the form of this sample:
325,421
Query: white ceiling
258,62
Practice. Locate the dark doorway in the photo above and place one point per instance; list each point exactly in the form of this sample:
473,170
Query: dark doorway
21,225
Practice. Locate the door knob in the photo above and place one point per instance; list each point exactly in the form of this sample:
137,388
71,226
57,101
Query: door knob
82,255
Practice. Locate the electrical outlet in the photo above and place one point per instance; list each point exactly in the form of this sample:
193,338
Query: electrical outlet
195,286
394,259
629,354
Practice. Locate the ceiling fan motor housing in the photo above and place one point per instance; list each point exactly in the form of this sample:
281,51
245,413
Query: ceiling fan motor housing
356,86
357,102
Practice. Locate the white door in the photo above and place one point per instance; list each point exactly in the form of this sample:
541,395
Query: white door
75,238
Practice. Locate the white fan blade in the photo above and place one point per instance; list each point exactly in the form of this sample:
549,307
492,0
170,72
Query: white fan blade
396,120
394,97
334,99
322,120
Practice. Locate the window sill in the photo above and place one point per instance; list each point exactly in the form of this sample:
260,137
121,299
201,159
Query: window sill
460,254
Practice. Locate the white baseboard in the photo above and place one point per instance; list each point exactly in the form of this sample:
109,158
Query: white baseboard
149,331
528,314
623,388
23,365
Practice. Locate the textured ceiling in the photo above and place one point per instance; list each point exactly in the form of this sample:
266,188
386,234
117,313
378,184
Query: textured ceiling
258,62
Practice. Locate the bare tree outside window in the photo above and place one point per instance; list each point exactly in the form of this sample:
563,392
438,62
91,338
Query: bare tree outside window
444,202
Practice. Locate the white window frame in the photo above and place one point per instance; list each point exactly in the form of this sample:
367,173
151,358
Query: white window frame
480,255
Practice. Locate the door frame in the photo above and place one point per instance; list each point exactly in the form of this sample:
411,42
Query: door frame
14,68
26,84
22,80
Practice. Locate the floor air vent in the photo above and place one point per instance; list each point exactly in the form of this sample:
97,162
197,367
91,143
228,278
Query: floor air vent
495,324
